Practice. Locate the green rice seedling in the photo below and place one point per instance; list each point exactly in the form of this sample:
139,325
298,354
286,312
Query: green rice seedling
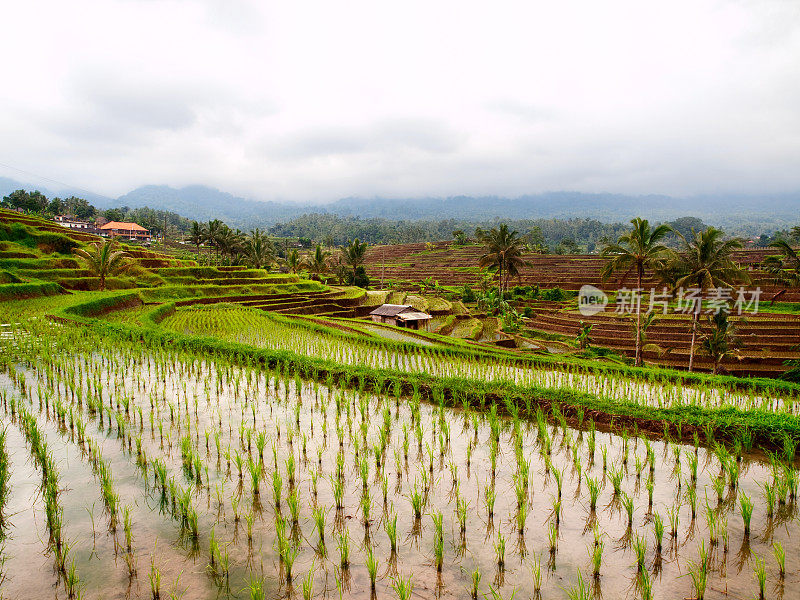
476,580
500,551
489,496
658,530
249,519
319,515
761,576
191,521
290,470
338,493
255,476
645,585
616,475
556,515
366,507
640,550
522,516
581,590
698,572
557,475
256,589
691,494
438,539
780,558
293,501
769,497
403,587
391,531
552,535
307,585
649,485
693,468
719,487
372,566
732,468
536,572
277,486
417,499
344,549
126,517
674,515
288,552
746,506
597,558
155,579
627,503
789,448
594,491
72,581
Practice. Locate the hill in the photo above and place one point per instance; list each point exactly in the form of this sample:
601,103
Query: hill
743,214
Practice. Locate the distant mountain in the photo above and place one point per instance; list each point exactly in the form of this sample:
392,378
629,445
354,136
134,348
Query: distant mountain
203,203
9,185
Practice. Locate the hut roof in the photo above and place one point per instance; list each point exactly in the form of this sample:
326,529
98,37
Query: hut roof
391,310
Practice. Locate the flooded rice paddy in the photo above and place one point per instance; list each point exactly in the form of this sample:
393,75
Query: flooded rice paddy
263,330
183,477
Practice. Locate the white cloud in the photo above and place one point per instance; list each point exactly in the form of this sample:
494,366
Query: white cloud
313,100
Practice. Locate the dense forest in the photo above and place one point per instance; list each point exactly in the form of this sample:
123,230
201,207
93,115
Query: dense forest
554,235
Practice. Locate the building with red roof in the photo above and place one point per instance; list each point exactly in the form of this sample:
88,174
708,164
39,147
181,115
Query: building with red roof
121,229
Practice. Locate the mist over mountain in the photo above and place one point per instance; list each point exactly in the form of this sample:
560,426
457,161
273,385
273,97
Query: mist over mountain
743,213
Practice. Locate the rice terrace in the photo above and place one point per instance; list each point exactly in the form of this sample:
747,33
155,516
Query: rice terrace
205,420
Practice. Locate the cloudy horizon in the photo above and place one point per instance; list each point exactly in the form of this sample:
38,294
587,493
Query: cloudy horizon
314,101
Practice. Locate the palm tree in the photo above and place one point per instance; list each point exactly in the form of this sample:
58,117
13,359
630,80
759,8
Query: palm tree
637,250
104,260
708,261
317,263
197,235
258,249
786,267
503,253
213,231
722,340
353,254
293,262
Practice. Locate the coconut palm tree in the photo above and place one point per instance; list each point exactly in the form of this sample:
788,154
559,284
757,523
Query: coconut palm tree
293,262
786,267
721,341
353,254
709,264
225,241
502,253
317,263
213,232
636,251
104,260
197,235
258,249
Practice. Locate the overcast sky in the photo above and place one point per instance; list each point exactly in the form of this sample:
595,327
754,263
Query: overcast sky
316,100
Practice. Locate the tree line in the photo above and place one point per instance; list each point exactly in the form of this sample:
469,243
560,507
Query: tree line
37,203
703,261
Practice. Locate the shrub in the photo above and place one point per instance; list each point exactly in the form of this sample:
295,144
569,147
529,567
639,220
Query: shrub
554,295
358,279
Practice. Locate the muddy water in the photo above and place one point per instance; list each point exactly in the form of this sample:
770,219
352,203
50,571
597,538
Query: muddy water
228,398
